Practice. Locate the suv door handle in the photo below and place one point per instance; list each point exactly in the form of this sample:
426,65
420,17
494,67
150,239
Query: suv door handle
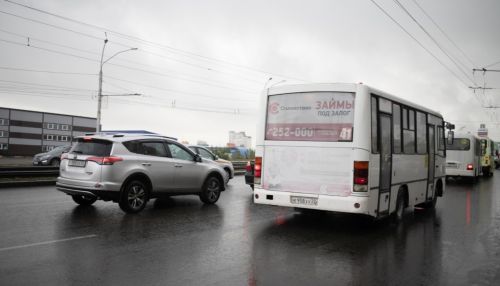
178,166
146,164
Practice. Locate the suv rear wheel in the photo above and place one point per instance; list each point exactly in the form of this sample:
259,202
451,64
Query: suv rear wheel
84,200
211,190
134,197
55,162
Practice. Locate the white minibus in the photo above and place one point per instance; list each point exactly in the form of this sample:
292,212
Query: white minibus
347,148
463,157
487,156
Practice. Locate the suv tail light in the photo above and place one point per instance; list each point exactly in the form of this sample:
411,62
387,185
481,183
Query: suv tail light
470,167
64,156
257,170
105,160
360,176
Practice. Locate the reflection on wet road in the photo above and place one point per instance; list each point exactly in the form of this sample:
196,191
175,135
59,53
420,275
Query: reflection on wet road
47,240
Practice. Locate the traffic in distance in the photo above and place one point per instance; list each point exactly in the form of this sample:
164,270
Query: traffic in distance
335,147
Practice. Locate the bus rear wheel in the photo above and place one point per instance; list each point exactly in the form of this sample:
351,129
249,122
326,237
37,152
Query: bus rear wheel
400,207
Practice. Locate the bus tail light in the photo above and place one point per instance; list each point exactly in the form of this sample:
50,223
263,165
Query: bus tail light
470,167
360,176
257,170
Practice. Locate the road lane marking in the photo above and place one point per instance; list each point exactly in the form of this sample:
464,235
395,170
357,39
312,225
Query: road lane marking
33,204
48,242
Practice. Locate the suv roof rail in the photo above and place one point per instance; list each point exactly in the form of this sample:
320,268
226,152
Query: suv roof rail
162,136
126,134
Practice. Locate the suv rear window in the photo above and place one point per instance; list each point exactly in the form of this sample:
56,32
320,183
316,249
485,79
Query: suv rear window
94,147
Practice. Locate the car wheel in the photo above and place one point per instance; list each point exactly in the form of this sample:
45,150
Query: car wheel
211,190
84,200
228,175
55,162
400,208
134,197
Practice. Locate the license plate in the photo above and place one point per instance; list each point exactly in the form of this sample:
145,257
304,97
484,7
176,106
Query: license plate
308,201
77,163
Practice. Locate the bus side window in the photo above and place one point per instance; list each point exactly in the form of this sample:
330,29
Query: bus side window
408,132
374,125
421,133
440,137
396,128
483,147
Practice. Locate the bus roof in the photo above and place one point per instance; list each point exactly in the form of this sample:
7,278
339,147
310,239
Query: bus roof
345,87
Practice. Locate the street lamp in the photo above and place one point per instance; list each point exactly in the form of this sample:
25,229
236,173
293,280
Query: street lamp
100,95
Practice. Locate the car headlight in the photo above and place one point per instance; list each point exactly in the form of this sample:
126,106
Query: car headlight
44,157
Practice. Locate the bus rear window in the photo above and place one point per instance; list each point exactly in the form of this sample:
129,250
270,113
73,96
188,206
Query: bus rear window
461,144
310,116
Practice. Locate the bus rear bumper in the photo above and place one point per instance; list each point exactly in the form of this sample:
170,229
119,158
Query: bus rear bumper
459,173
349,204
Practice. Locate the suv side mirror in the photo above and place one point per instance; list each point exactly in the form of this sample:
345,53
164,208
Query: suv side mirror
197,158
216,157
449,140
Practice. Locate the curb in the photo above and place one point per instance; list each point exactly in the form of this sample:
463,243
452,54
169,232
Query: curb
27,183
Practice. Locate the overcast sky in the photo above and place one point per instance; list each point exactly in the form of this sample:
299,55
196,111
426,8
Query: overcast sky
201,65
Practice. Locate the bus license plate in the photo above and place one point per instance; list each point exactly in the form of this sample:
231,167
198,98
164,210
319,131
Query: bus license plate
308,201
77,163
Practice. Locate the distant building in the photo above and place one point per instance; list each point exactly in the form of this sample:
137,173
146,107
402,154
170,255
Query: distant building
202,143
240,139
25,132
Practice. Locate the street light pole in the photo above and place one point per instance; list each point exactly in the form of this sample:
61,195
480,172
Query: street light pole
99,94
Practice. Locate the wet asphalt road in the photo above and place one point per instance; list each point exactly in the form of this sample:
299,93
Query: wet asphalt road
47,240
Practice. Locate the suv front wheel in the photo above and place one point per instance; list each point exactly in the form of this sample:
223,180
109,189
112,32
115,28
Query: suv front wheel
211,190
134,197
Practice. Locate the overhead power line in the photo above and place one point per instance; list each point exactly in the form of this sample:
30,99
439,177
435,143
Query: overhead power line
445,34
98,55
114,43
419,43
492,64
179,91
128,67
45,71
434,41
151,43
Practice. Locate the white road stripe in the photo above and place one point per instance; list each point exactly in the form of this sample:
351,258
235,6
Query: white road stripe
48,242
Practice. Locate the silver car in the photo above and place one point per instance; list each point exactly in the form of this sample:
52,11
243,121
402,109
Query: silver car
131,169
207,154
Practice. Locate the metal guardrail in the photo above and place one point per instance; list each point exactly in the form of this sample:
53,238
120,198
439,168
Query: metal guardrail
239,167
28,171
37,171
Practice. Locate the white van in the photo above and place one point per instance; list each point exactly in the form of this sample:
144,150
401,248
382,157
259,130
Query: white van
463,157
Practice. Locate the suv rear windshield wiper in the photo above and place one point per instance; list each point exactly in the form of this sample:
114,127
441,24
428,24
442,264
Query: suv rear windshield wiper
77,152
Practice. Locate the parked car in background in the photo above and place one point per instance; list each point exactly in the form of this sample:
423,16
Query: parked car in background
249,173
131,169
52,158
207,154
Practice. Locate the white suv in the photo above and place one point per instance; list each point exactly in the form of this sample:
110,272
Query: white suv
131,169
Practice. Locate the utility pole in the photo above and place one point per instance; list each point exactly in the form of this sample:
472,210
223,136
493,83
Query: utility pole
99,94
484,70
